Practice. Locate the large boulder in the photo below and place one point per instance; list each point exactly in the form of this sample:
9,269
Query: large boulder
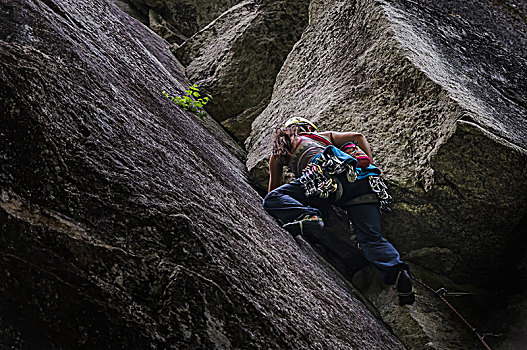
236,57
176,20
128,223
439,91
452,151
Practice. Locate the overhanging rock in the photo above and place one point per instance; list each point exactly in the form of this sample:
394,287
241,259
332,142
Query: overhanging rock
438,90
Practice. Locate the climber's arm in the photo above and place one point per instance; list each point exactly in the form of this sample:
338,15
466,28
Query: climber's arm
341,138
275,173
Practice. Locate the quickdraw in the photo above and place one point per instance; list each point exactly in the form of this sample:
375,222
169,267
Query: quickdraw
334,166
316,183
381,190
317,178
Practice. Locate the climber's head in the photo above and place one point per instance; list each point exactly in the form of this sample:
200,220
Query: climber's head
283,136
303,124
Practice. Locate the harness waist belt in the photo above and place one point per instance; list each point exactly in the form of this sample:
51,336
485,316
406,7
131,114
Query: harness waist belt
369,198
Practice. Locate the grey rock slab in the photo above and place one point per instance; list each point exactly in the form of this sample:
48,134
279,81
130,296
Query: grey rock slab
450,163
177,20
128,223
443,107
236,57
430,323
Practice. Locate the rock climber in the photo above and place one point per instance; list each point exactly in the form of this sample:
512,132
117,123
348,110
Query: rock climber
333,168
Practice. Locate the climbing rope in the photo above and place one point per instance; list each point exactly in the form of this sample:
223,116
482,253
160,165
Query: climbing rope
445,292
442,291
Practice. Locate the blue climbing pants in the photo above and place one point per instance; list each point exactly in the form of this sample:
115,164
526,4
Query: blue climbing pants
288,203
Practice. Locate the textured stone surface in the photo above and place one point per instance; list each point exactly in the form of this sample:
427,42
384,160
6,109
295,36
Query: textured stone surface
177,20
517,308
236,57
127,223
129,8
446,154
482,202
431,324
438,88
240,125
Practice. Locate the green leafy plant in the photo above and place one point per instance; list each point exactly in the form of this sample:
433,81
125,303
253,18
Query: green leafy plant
192,101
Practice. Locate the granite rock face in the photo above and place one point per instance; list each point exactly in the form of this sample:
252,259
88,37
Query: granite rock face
127,223
176,20
452,152
438,88
237,56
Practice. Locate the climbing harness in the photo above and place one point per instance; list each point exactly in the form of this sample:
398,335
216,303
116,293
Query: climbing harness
319,177
353,149
440,293
368,198
316,183
381,190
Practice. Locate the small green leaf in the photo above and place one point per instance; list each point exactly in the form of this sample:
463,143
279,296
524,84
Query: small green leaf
190,101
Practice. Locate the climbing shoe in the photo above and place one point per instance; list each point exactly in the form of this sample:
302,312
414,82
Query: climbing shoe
403,284
307,225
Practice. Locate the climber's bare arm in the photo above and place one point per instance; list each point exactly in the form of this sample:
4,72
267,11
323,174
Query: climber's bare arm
275,173
341,138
